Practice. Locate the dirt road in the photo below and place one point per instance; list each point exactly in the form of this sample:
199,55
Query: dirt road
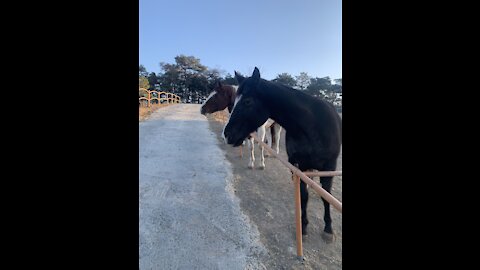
189,216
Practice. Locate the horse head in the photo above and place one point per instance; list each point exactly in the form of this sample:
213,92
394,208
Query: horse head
249,111
219,99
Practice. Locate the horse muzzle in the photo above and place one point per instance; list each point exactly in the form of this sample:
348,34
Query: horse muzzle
230,139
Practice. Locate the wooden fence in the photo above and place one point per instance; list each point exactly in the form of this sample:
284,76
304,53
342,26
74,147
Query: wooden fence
161,97
298,175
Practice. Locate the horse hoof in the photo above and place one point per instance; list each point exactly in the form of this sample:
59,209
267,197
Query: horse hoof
250,167
304,231
261,167
328,237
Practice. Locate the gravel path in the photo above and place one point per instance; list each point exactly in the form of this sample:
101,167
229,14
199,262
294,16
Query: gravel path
189,215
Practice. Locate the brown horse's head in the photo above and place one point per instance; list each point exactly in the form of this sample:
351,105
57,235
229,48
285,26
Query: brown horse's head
223,96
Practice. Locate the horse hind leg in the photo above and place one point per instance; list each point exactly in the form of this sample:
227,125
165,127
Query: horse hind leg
268,140
277,137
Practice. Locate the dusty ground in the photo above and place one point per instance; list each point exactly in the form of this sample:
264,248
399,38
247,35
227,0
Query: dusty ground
267,198
189,217
144,112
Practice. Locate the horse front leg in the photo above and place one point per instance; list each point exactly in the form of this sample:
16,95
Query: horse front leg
261,133
241,149
303,202
252,153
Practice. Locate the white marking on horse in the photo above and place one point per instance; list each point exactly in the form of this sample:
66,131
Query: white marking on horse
223,133
237,99
210,96
261,131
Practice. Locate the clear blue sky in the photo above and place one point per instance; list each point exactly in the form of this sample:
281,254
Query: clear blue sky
274,35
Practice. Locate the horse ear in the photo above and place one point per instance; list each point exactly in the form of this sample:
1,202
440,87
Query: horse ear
239,77
219,84
256,74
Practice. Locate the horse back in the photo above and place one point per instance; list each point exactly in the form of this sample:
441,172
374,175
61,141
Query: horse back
318,140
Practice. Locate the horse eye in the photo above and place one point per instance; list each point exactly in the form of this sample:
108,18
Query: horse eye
248,102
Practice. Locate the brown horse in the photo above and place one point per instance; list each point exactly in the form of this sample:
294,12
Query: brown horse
223,96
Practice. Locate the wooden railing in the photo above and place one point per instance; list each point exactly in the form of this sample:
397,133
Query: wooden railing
170,98
304,176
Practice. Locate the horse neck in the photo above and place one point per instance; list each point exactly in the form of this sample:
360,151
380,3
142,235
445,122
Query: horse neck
284,106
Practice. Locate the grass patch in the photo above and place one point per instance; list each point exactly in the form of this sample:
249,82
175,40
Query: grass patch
220,116
144,112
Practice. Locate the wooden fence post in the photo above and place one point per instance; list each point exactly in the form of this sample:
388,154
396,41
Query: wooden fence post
298,216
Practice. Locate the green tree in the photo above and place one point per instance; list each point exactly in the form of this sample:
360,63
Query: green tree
337,88
152,80
318,84
285,79
229,79
189,77
142,71
303,80
170,79
143,82
212,75
198,85
338,81
188,66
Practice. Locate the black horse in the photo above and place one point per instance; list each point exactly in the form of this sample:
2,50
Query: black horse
313,130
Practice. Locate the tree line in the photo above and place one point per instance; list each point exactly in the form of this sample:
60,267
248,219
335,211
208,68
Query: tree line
190,79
